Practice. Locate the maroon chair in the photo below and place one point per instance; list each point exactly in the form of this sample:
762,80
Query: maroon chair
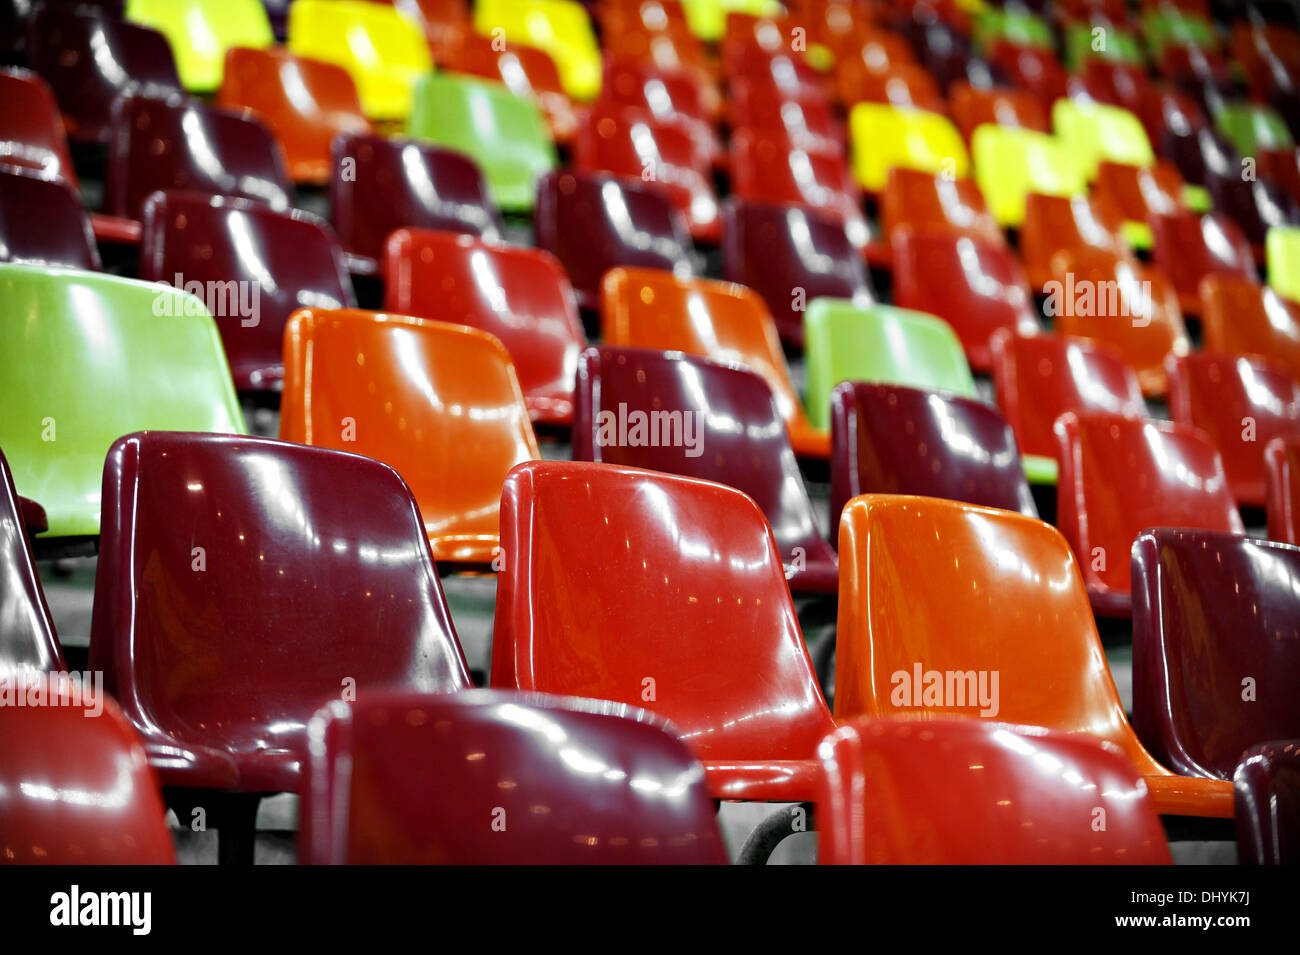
382,184
42,222
888,439
1216,646
185,144
973,283
790,254
421,779
76,790
90,59
27,637
1189,247
242,584
1255,205
1241,403
1282,463
592,222
31,129
521,296
265,263
706,420
1267,804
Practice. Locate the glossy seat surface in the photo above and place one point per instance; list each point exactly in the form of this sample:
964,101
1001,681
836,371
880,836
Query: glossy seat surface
1241,317
278,262
1282,463
1011,163
186,144
1216,646
702,419
521,296
974,106
969,792
1267,788
87,358
505,134
975,284
1189,247
201,31
887,136
990,595
1173,478
878,343
64,237
650,308
1250,127
377,766
1094,132
298,576
525,70
110,813
924,201
31,130
560,27
590,546
891,439
439,402
1053,223
1282,259
27,637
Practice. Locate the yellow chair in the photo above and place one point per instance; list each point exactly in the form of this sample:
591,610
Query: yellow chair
1093,132
1282,255
560,27
887,136
1011,162
201,31
385,51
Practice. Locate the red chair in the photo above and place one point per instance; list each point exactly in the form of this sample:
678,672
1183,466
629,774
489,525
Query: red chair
1172,477
1189,247
526,71
27,640
1241,317
904,84
77,791
973,283
1267,788
968,792
223,632
808,123
675,97
1241,404
64,238
972,106
521,296
1138,193
1282,460
591,546
31,129
1053,223
924,201
269,263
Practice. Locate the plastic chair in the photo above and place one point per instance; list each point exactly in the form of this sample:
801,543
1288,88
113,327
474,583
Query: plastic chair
905,85
1117,43
887,136
1092,132
446,24
1039,378
261,264
201,31
1124,85
1137,193
791,255
593,222
1166,26
1256,206
1282,260
520,296
1282,475
31,131
109,356
879,343
973,106
64,236
560,27
926,201
1017,26
973,283
378,764
806,122
304,102
28,642
505,134
1011,163
1267,789
1250,127
384,50
186,144
926,628
1054,223
1189,247
1241,317
1173,477
704,557
1031,68
726,429
1216,646
650,308
968,792
524,70
439,402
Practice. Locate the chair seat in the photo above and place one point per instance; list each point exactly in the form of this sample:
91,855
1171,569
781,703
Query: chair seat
778,780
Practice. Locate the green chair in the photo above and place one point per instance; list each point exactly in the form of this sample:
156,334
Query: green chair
201,31
1282,256
1015,26
505,134
1093,132
847,342
86,358
1082,43
1011,162
1251,127
1169,26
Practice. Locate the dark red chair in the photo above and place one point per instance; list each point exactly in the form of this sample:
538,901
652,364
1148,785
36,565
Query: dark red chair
382,184
242,584
889,439
1031,68
64,236
1242,403
1254,205
974,284
521,296
186,144
1121,475
807,123
737,438
1188,247
268,263
790,254
1267,804
1216,646
592,222
27,637
31,128
591,547
487,777
1282,461
1119,84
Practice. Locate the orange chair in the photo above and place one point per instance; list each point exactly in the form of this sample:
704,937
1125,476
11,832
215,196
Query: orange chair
1053,223
1138,192
923,200
1108,298
649,308
1241,317
989,619
304,102
906,84
438,402
973,106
